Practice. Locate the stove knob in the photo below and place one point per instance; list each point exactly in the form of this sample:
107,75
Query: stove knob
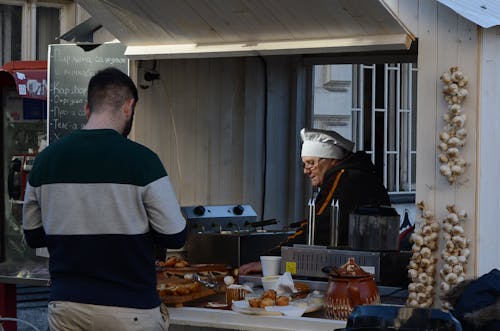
199,210
238,209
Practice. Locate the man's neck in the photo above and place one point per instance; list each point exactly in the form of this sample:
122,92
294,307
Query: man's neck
102,122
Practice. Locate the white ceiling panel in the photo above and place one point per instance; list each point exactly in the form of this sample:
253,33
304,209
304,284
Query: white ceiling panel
194,28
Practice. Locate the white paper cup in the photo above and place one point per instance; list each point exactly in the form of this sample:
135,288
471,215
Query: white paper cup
270,265
270,282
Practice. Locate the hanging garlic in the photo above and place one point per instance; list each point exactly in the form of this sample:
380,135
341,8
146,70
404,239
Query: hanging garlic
444,136
457,76
456,170
458,229
446,78
461,133
422,266
451,278
453,218
454,142
455,252
455,109
459,120
417,239
452,152
445,287
443,146
453,137
443,158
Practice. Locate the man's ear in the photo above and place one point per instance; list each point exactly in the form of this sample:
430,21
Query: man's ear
128,108
87,111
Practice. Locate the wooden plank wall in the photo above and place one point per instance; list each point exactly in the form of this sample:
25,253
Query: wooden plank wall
192,118
445,39
206,120
488,230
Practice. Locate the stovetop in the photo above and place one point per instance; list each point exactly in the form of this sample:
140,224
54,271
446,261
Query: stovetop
220,218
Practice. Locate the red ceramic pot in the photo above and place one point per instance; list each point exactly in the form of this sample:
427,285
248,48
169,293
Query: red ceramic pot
348,286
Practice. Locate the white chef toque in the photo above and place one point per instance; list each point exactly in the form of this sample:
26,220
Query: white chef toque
325,144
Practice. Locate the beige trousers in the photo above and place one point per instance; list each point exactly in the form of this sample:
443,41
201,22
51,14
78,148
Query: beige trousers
73,316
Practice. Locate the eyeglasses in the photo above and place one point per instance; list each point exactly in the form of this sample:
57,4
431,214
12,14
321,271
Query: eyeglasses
308,165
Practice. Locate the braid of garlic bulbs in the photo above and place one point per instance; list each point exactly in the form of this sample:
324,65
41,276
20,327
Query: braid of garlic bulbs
422,266
456,251
454,134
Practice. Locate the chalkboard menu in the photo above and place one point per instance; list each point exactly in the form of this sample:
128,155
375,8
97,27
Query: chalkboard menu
70,68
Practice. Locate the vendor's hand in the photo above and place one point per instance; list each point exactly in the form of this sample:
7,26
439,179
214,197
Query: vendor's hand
250,268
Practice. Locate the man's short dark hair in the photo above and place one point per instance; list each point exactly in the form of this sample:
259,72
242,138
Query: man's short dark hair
110,88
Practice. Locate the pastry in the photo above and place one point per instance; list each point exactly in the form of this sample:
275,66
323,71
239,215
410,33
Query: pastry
271,294
282,301
267,302
255,302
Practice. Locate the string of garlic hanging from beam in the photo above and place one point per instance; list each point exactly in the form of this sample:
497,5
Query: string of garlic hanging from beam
456,251
422,266
454,134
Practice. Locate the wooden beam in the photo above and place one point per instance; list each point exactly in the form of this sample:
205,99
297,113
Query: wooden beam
362,43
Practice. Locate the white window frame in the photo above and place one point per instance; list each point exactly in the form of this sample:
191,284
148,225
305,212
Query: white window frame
397,85
28,25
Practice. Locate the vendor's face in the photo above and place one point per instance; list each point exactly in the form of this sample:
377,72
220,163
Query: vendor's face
316,167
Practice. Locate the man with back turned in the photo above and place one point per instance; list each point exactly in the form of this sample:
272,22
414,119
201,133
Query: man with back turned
101,204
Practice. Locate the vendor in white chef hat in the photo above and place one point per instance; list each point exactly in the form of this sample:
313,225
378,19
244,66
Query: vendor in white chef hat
338,173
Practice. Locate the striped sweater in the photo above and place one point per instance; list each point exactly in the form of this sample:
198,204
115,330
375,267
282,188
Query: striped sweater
101,203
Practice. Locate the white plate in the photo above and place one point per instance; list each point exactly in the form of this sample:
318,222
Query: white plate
295,308
310,307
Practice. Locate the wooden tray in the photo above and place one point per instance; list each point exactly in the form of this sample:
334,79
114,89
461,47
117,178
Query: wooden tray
179,300
194,268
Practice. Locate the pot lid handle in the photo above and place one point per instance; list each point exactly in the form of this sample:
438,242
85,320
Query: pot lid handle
350,269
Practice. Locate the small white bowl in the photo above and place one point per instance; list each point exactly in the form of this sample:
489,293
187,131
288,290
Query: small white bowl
270,282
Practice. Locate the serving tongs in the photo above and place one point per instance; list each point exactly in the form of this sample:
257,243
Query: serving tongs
210,283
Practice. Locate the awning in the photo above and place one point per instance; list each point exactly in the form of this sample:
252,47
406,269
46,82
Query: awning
485,13
83,32
29,78
201,28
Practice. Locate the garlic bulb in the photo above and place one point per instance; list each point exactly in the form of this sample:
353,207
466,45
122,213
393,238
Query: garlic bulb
454,134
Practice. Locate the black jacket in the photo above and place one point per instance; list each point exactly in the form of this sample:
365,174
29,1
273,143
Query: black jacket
354,183
357,186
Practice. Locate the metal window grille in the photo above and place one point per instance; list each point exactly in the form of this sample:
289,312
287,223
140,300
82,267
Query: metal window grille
382,120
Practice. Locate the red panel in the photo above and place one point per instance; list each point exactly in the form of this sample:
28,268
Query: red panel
8,305
29,77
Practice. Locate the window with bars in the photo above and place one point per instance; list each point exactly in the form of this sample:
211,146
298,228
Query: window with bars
374,105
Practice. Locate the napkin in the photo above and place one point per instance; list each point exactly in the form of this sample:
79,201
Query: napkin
288,310
285,286
242,287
